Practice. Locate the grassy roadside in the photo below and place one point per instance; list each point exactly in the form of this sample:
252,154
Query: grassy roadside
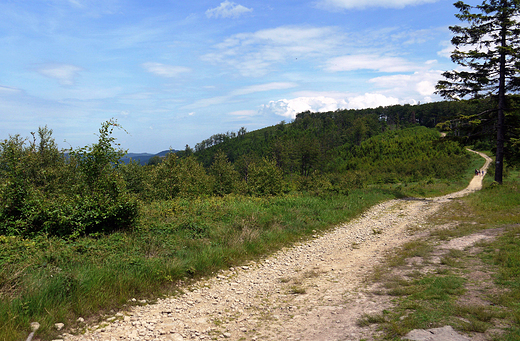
51,280
474,289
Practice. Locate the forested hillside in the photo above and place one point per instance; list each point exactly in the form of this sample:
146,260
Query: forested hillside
81,231
308,142
90,191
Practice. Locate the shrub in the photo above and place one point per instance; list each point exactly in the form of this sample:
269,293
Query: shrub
176,177
44,192
265,178
225,176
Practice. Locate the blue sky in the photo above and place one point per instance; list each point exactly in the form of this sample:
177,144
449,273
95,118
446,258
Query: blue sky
176,72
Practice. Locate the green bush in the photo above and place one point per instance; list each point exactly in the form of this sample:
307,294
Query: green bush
176,177
135,176
225,176
44,192
407,155
265,178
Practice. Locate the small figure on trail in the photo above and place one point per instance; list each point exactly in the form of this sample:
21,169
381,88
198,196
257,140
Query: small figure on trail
476,171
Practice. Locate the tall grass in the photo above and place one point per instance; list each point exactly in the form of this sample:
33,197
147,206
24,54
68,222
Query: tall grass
51,280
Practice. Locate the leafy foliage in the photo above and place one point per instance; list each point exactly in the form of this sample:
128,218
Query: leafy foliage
45,192
265,178
407,155
225,176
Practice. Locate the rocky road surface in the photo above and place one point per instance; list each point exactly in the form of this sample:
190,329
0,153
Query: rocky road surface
311,291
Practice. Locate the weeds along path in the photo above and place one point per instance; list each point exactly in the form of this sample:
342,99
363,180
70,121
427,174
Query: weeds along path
311,291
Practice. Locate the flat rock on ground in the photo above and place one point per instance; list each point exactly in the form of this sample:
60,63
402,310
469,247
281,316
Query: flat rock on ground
445,333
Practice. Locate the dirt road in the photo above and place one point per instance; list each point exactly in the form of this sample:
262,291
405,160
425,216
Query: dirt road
311,291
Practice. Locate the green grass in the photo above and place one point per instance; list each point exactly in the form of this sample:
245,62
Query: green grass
499,206
53,280
435,298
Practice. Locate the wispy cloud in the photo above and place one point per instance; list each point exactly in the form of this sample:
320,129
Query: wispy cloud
243,114
96,8
254,54
447,49
65,74
368,62
206,102
76,3
263,87
7,90
414,37
361,4
227,9
164,70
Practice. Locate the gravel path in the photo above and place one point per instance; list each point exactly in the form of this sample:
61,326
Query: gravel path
311,291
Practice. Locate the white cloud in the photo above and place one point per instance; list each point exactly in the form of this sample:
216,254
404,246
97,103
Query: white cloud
63,73
164,70
254,54
421,82
327,101
370,100
368,62
361,4
425,88
290,107
227,9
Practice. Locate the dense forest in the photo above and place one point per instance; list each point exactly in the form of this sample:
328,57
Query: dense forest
309,142
82,231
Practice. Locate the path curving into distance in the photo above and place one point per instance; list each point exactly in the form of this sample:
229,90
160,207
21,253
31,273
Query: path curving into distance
310,291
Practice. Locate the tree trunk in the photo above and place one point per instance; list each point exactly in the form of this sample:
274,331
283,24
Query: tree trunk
499,162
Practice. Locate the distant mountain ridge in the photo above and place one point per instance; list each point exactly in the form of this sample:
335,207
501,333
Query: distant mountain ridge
143,158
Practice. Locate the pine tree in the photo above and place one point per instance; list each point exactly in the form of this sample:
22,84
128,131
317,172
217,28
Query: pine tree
488,50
